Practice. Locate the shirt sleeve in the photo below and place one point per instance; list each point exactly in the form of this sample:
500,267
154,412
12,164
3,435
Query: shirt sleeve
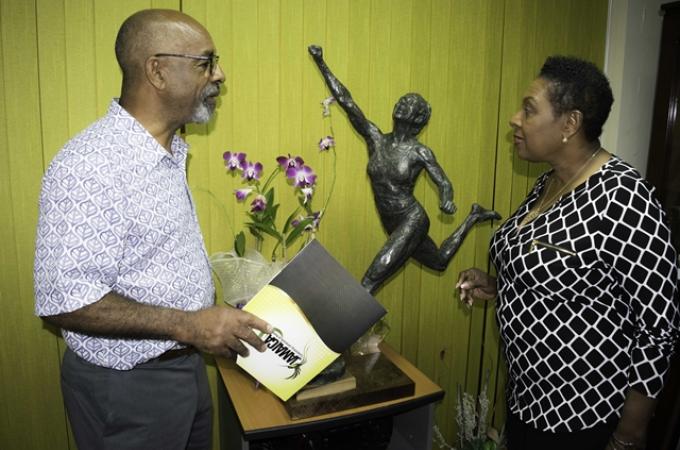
80,235
637,245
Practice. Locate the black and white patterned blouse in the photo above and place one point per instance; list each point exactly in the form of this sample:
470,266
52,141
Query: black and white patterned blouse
587,300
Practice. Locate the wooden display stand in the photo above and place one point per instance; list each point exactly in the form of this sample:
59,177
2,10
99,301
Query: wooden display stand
248,413
376,380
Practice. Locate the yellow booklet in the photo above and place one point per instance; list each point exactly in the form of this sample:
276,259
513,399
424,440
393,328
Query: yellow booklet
317,310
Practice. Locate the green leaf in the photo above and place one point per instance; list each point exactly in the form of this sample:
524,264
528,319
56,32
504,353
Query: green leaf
240,244
489,445
272,212
254,232
267,229
286,226
254,217
297,231
270,196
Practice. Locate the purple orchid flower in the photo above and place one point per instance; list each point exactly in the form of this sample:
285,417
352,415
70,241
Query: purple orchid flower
252,171
317,220
307,193
242,194
234,161
326,143
259,204
313,226
288,161
303,176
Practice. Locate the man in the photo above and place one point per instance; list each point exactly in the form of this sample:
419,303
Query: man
120,261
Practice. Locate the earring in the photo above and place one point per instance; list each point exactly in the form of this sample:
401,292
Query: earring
564,139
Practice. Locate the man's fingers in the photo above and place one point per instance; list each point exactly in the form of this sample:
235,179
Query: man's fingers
259,324
239,348
248,334
252,339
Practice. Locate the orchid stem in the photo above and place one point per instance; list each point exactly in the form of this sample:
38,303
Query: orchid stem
221,206
270,179
335,161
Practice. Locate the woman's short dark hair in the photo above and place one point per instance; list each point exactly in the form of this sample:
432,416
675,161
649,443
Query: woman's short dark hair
575,84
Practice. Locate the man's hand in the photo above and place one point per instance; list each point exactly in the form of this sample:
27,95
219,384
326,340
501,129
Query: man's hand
219,330
475,284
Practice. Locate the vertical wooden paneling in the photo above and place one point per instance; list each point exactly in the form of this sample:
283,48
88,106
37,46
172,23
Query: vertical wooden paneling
30,400
314,26
341,217
79,61
351,66
474,79
213,187
471,60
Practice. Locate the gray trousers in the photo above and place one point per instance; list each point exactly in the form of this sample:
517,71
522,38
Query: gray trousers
164,405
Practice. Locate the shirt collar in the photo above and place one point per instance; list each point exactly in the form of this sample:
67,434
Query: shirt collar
150,151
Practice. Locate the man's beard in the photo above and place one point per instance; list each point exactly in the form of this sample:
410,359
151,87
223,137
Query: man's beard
204,110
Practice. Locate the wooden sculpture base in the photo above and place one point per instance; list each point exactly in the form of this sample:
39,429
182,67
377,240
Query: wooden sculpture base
377,380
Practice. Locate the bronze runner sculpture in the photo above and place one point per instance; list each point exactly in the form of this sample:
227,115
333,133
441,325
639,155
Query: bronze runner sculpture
396,159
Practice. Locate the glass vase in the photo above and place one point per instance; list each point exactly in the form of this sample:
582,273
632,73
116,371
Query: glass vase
241,277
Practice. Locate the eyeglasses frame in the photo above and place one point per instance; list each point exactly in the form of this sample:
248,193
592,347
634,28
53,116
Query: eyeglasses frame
212,58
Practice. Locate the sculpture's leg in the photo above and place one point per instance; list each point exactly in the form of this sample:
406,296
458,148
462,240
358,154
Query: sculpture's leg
400,245
438,258
477,214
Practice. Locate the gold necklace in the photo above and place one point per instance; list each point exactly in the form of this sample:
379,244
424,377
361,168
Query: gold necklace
535,212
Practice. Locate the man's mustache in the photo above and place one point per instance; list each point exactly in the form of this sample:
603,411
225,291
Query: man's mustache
211,90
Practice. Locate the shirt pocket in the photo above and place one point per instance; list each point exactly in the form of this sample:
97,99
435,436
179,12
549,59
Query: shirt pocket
549,253
557,271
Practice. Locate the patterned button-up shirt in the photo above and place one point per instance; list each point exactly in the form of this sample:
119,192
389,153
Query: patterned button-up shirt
587,300
116,215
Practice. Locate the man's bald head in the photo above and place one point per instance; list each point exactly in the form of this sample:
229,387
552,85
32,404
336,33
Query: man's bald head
151,31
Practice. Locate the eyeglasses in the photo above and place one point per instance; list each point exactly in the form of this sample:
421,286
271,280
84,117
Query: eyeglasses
211,59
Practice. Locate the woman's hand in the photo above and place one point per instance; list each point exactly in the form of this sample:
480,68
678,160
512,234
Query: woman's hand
631,431
475,284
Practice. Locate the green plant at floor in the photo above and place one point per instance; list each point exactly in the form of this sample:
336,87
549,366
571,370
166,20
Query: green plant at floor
474,432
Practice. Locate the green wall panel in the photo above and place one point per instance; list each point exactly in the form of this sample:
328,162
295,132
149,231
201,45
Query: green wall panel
471,60
28,354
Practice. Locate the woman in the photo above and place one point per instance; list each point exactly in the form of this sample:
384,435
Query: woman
586,287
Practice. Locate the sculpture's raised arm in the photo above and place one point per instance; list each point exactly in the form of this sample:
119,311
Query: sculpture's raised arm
367,129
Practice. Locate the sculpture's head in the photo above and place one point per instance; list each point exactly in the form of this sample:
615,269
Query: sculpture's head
413,109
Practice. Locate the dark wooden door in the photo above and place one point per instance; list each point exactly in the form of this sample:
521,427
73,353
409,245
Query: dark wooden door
663,171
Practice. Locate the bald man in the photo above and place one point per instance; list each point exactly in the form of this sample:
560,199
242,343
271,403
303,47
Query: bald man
120,262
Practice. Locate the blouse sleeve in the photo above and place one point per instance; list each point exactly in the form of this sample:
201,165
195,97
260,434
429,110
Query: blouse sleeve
637,245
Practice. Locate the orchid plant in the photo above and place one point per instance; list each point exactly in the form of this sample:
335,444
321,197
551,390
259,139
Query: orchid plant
264,209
